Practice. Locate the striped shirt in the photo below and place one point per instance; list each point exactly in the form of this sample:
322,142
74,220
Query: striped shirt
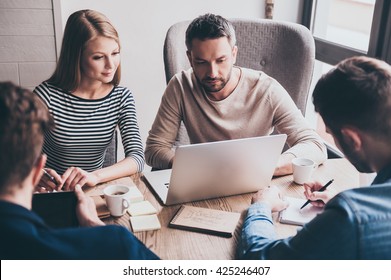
84,128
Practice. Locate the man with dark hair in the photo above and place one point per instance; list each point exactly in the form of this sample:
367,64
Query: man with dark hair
219,101
23,235
354,100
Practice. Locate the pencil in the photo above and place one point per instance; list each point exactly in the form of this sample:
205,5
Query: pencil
50,177
320,190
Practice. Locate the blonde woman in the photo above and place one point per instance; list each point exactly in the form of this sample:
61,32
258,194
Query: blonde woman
87,103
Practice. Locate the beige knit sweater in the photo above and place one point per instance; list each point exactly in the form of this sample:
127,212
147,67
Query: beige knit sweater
257,106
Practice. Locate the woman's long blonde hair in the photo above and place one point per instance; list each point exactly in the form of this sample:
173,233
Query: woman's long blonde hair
81,27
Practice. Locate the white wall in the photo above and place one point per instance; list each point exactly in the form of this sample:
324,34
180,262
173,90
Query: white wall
288,10
142,26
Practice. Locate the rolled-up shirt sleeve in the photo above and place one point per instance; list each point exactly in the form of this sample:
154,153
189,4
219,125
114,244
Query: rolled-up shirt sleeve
258,229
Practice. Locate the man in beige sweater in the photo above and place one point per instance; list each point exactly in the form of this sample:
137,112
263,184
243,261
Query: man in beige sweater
219,101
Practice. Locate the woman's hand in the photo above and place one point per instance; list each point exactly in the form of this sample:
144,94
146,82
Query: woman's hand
76,176
45,184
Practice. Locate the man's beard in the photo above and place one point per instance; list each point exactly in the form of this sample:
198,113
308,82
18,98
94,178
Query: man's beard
211,88
360,164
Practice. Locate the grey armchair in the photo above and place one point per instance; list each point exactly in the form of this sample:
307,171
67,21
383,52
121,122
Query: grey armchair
285,51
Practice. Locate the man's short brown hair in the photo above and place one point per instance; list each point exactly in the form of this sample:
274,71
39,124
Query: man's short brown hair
357,92
210,26
23,121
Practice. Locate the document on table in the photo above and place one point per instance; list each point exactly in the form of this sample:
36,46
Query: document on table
205,220
295,216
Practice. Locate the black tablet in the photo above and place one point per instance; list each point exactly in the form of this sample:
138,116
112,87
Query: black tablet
57,209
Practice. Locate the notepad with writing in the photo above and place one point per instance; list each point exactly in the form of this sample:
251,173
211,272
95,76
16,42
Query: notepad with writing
295,216
205,220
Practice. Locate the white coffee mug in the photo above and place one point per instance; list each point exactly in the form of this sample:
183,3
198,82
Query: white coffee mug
302,170
117,199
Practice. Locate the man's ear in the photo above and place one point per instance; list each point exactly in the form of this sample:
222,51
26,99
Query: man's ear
188,53
37,169
352,137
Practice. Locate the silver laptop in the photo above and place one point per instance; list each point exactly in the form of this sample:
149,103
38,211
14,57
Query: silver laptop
218,169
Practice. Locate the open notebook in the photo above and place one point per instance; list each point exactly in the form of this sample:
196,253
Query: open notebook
295,216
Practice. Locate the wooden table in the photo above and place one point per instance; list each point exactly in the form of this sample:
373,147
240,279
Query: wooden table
171,243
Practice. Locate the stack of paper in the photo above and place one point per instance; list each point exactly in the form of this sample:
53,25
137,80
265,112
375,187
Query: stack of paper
143,216
141,208
144,223
135,195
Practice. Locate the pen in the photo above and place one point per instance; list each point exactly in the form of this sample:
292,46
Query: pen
320,190
50,177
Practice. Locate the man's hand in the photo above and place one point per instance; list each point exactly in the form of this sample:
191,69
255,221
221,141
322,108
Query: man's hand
272,197
284,165
86,209
318,199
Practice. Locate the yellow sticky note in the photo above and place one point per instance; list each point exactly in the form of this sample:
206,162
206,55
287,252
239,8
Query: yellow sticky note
135,195
141,208
144,223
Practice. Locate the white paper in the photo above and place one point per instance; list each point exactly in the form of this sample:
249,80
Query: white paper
141,208
293,215
145,223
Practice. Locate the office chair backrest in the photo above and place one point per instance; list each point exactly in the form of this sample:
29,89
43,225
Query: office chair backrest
283,50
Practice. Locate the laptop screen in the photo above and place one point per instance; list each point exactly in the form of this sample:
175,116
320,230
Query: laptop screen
218,169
